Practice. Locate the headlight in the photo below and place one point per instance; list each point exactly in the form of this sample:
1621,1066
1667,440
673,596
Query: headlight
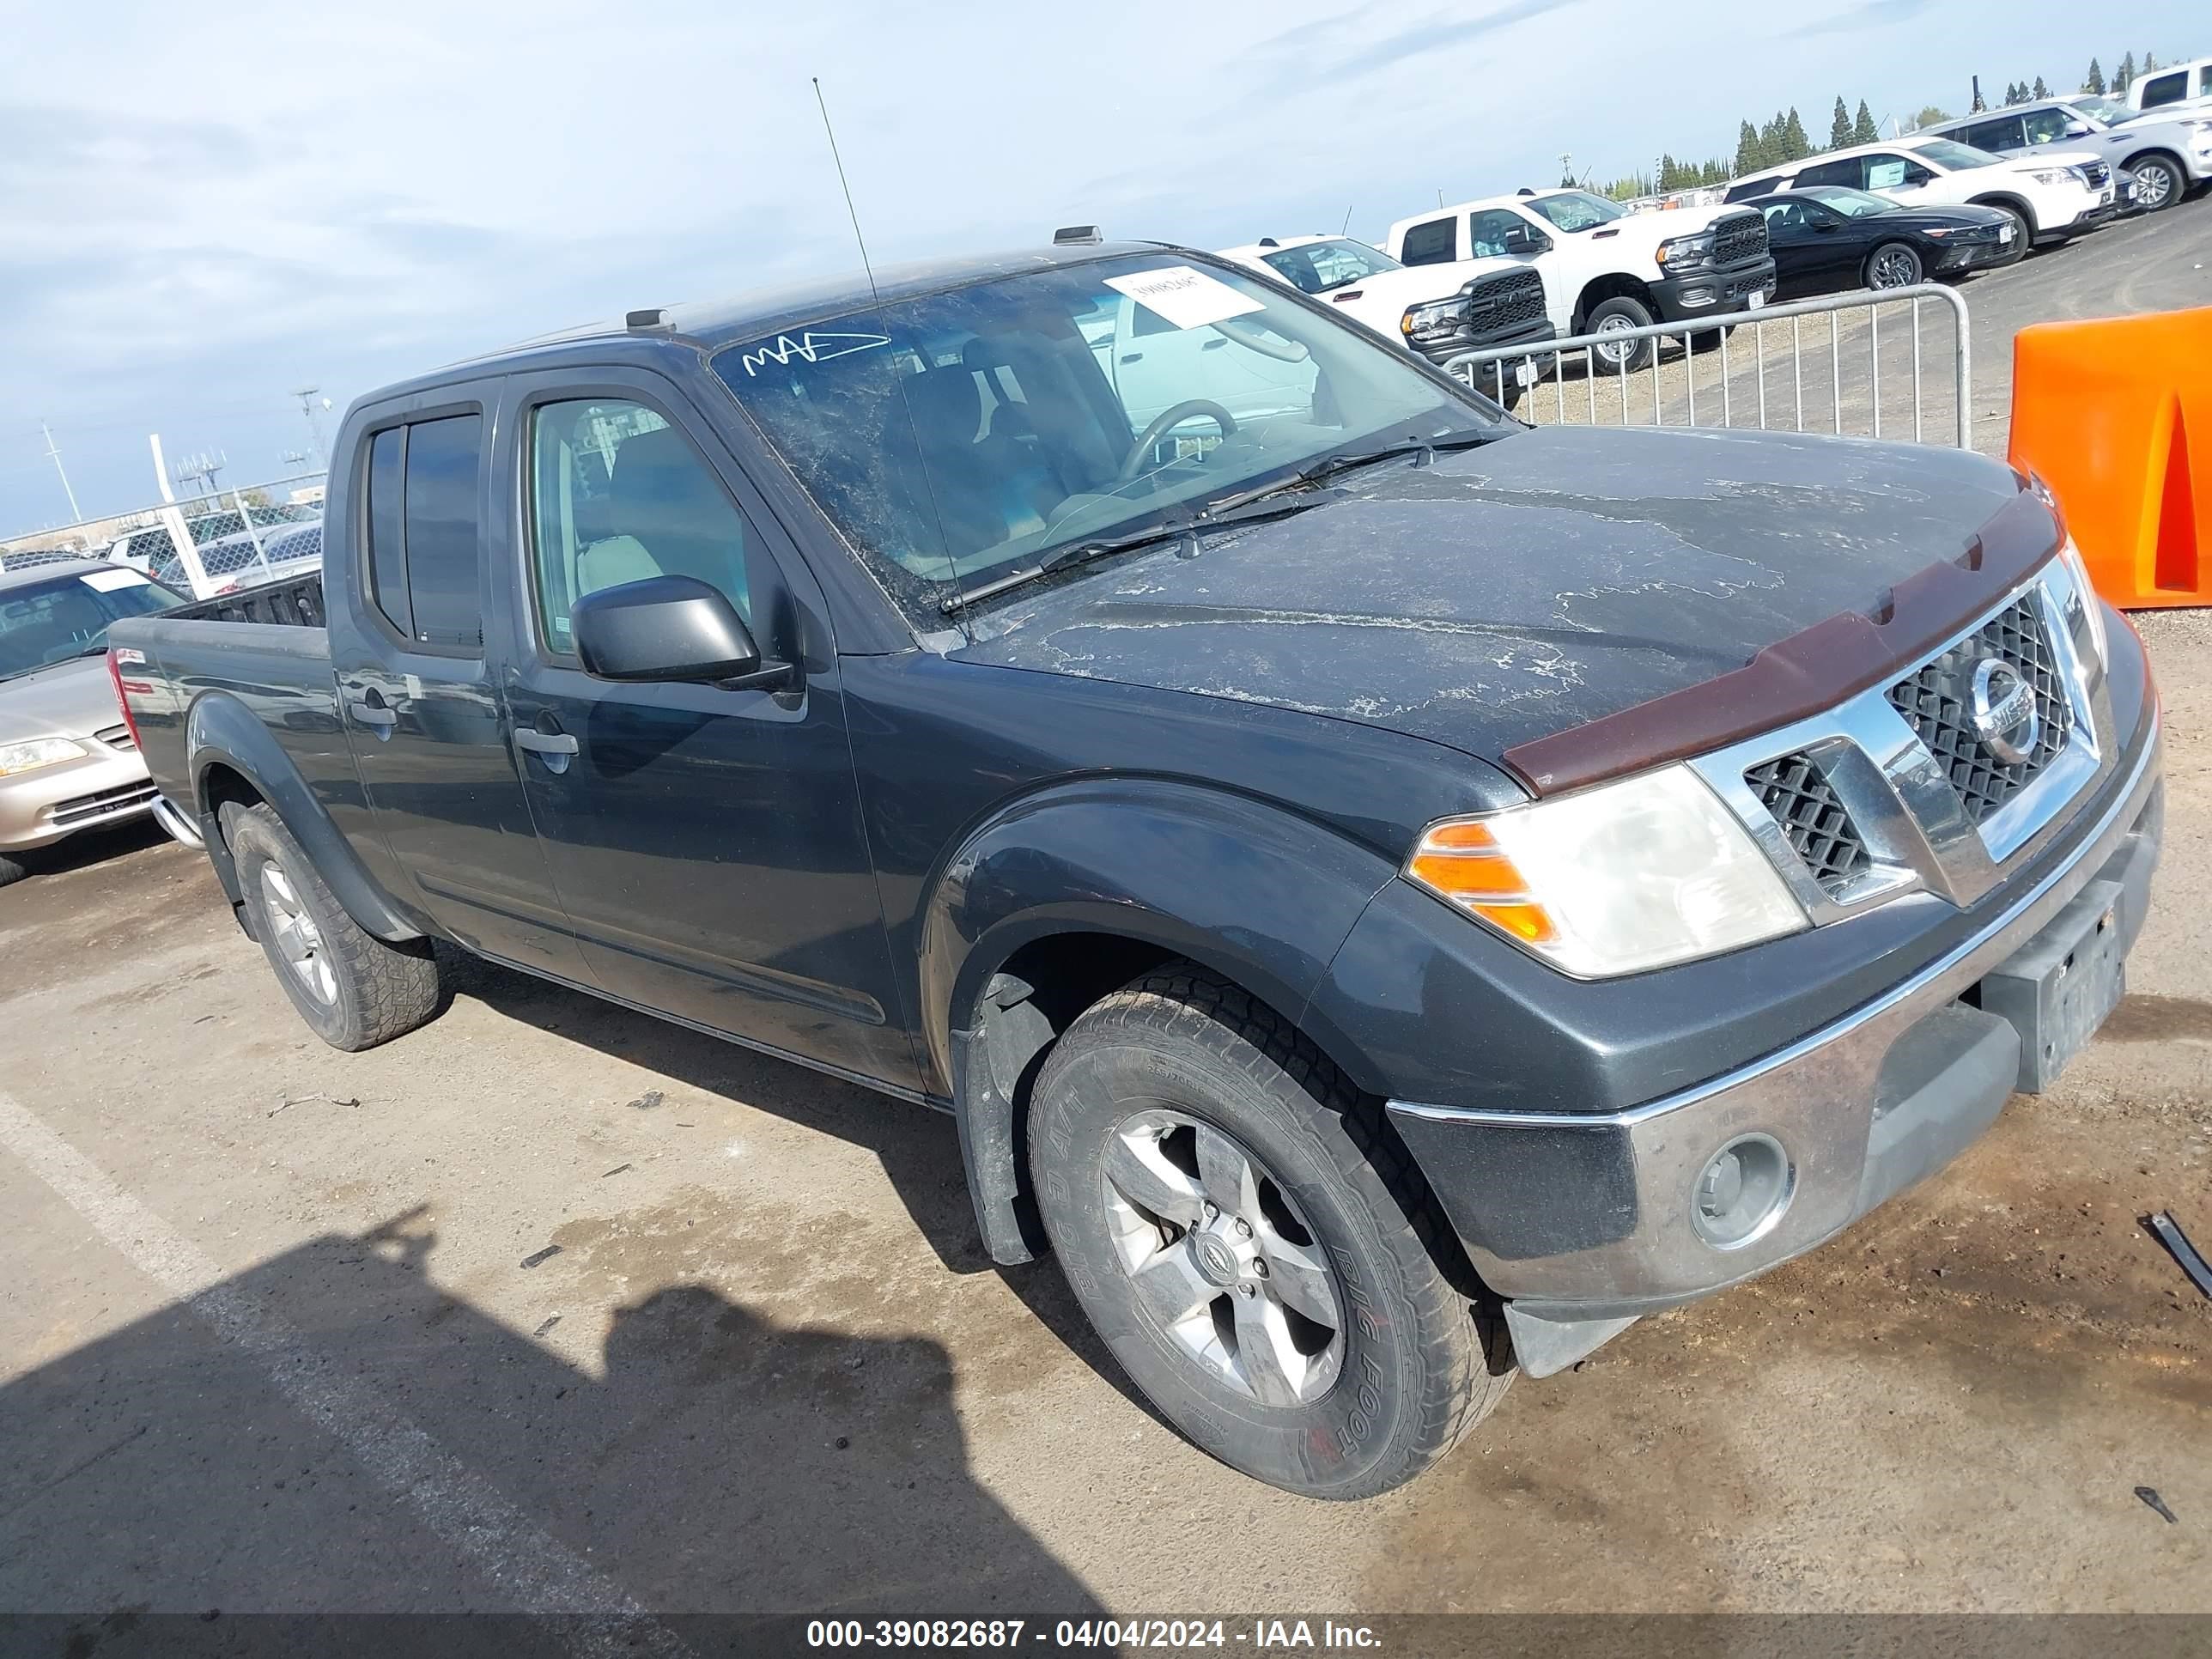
2055,176
2078,569
1681,253
1944,230
1637,874
29,756
2091,607
1420,319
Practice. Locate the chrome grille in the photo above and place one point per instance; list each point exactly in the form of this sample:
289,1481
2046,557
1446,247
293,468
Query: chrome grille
1738,237
1937,704
1510,299
1806,805
2097,173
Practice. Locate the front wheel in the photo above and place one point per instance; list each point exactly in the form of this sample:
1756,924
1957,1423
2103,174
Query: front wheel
353,989
1253,1246
1893,264
1618,316
2158,183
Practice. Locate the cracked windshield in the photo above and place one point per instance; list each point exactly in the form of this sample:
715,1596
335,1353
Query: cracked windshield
969,435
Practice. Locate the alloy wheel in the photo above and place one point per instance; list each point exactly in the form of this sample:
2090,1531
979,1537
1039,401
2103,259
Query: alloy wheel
1894,267
1222,1263
299,941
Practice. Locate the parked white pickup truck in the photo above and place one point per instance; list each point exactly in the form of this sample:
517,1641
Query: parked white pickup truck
1435,311
1605,270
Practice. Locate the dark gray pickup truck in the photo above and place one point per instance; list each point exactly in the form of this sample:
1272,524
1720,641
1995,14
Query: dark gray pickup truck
1386,894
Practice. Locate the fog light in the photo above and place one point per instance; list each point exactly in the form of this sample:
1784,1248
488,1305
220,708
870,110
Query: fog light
1742,1192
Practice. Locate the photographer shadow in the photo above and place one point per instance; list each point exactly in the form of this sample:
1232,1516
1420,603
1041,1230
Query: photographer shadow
189,1466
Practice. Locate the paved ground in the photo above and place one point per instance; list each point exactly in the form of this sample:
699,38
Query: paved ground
2151,263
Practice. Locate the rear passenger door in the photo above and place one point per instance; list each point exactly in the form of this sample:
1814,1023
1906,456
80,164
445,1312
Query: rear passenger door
706,843
418,702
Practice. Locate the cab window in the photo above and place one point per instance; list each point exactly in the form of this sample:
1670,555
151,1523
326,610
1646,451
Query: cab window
618,496
1432,244
2040,126
1487,232
425,489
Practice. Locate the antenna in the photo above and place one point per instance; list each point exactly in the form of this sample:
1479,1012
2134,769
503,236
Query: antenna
306,394
1346,231
55,454
951,566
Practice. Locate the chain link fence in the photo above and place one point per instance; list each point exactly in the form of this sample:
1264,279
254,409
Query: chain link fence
225,539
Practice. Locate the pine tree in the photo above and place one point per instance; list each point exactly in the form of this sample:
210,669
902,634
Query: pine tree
2041,91
2122,75
1863,130
2150,62
1839,130
1794,135
1747,158
2096,82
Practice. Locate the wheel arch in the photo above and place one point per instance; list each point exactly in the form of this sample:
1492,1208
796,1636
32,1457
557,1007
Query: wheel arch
1612,285
2020,205
235,758
1058,901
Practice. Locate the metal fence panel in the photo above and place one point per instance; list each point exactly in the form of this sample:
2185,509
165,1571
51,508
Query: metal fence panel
234,537
1765,385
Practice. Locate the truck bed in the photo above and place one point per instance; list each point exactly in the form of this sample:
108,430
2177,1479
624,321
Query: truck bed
264,646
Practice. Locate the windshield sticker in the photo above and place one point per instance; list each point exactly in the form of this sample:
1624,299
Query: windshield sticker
1185,297
107,581
814,345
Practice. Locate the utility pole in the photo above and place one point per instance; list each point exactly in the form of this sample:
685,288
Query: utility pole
55,455
306,394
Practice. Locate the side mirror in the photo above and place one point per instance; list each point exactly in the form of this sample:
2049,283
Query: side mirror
669,628
1824,225
1525,239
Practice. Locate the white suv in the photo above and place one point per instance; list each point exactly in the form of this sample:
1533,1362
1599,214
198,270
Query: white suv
2051,195
2168,155
1605,269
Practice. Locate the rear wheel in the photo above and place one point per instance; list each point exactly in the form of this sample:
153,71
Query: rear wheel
353,989
2023,233
1256,1250
1893,264
1617,316
2158,183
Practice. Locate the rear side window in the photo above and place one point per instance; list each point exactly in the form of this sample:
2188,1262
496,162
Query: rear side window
423,535
1751,188
2165,88
1850,171
1432,244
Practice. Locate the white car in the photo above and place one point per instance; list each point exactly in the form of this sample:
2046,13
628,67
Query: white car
2188,83
1605,270
2052,195
1437,310
2169,156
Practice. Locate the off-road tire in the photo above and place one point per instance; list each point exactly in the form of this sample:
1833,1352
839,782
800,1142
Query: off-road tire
1423,1361
380,990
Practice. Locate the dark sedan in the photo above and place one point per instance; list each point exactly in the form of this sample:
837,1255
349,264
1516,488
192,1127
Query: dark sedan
1827,238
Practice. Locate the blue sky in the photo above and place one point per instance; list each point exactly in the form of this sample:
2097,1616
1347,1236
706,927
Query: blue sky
202,208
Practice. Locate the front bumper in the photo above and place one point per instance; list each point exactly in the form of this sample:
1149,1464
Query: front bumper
1706,292
40,807
1440,349
1582,1221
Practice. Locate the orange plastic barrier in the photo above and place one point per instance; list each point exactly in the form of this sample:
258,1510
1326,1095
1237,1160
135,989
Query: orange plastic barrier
2116,416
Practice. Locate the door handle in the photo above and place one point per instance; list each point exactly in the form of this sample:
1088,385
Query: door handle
544,743
1132,356
373,714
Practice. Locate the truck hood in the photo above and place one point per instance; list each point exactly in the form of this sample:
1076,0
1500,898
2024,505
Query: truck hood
1648,230
71,699
1504,594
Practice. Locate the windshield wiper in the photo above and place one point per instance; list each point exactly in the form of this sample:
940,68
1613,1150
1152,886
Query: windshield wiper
1330,466
1102,547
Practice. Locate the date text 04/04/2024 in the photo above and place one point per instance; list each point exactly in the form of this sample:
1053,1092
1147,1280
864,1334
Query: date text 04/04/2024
1262,1634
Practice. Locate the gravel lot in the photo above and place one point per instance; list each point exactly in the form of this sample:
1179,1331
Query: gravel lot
281,1333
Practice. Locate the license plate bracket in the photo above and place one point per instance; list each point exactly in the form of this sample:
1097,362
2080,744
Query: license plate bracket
2060,986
